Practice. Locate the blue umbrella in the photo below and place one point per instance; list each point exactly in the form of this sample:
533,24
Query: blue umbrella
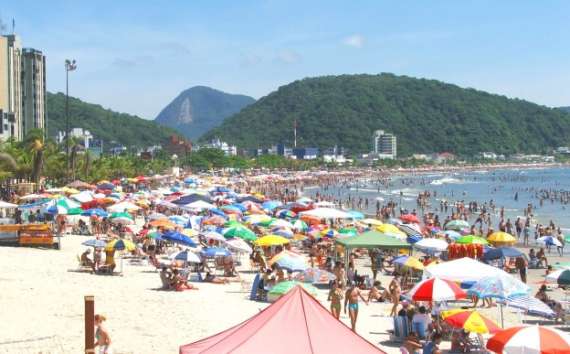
187,256
221,190
215,252
454,235
502,252
356,214
240,207
531,305
178,220
218,212
110,186
95,211
500,286
271,204
177,237
413,238
95,243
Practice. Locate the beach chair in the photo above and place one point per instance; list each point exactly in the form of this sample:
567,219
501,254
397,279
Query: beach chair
401,329
476,344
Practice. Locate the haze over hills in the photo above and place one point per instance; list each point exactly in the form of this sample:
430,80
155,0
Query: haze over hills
426,115
565,109
104,123
199,109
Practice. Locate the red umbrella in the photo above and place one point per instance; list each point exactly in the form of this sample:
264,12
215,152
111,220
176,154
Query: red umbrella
436,289
410,218
529,339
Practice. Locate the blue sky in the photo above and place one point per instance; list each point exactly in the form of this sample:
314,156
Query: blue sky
136,56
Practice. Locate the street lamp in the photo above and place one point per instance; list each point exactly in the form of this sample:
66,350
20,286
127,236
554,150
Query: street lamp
69,66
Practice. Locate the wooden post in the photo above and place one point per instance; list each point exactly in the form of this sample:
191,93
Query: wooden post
89,324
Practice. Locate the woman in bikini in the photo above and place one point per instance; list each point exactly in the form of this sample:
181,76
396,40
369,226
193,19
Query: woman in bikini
335,297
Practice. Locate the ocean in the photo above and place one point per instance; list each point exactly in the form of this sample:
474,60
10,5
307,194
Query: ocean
482,186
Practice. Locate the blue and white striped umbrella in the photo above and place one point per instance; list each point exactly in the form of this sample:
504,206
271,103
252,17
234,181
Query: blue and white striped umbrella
94,243
531,305
187,256
500,286
215,252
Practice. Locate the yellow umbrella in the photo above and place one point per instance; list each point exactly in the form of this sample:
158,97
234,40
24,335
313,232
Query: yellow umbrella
189,232
413,262
69,190
471,321
373,222
389,229
119,245
271,240
500,238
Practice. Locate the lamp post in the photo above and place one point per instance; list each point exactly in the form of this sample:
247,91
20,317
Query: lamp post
69,66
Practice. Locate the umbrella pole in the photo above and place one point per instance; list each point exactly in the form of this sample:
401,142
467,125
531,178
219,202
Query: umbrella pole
501,316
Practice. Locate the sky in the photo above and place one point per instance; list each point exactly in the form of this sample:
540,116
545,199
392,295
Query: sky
136,56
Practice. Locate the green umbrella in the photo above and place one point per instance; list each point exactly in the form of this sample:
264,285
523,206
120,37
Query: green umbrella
121,215
154,234
266,223
64,206
567,238
300,226
240,232
284,287
561,265
472,239
348,231
232,223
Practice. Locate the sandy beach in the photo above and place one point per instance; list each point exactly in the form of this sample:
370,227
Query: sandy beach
42,305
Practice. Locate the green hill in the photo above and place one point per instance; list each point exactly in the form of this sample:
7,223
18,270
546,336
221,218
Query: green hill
426,115
104,123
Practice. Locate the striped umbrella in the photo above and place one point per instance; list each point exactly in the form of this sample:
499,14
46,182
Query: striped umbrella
529,340
457,225
531,305
290,261
120,245
186,256
470,321
436,289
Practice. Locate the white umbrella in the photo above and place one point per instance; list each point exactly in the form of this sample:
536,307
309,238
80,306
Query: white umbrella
83,197
187,256
6,205
212,235
549,240
327,213
239,245
123,206
200,205
431,245
156,216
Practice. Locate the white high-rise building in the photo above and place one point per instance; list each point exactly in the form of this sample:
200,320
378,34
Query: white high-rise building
33,90
384,145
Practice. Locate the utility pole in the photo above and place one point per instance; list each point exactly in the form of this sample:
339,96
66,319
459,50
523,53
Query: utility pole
69,66
295,133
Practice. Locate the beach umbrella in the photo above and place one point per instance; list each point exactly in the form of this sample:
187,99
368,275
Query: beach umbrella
64,206
284,287
179,238
431,245
470,321
501,286
285,214
155,235
239,231
549,241
187,256
83,197
413,239
271,240
410,262
215,252
178,220
122,218
389,229
560,277
95,212
315,275
457,225
410,218
330,233
214,220
436,289
283,231
371,222
216,236
106,186
290,261
239,245
471,240
347,231
452,234
120,245
190,232
500,238
94,243
280,223
6,205
300,226
257,218
531,305
561,265
356,215
271,204
167,224
502,252
529,340
410,229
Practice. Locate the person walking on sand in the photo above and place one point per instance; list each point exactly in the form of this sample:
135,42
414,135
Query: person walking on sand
335,297
351,301
102,338
395,292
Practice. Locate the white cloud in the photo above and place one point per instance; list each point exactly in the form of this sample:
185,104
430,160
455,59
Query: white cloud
355,40
288,56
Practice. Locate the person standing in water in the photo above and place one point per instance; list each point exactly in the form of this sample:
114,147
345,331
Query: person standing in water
102,338
351,301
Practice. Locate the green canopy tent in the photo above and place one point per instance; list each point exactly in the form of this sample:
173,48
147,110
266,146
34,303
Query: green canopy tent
371,239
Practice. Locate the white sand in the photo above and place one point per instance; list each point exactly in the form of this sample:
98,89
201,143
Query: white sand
41,306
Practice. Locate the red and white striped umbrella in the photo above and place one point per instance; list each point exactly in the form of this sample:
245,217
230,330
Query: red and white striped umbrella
529,340
436,289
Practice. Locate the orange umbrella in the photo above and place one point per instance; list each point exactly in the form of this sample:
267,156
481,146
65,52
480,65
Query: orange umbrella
163,223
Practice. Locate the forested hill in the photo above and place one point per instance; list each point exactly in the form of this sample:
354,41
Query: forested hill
426,115
104,123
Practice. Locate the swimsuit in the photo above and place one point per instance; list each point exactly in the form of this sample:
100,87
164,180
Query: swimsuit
336,307
353,306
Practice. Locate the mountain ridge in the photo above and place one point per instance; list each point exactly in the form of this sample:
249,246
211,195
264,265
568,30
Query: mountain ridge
426,116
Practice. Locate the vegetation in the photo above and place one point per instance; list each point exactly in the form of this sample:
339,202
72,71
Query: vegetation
426,116
199,109
104,124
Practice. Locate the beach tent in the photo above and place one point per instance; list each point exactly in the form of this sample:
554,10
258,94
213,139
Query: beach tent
306,325
372,239
464,270
327,213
